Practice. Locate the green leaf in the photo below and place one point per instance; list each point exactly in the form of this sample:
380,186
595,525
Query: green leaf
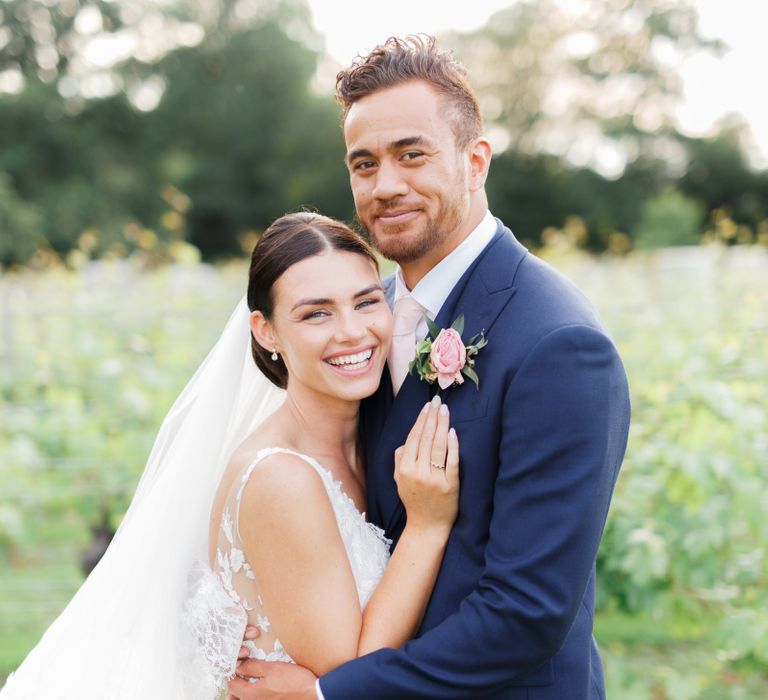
458,324
434,329
468,372
477,341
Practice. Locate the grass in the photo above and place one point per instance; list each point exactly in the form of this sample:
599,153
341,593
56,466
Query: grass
30,597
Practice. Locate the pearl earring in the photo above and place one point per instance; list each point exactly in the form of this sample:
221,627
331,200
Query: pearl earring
274,355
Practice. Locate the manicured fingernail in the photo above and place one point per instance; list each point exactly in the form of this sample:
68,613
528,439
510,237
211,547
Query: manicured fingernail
426,407
444,409
452,432
250,633
436,401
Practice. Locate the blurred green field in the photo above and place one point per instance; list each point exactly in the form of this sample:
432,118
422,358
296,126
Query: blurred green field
92,360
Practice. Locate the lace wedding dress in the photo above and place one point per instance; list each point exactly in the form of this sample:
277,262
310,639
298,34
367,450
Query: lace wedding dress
226,597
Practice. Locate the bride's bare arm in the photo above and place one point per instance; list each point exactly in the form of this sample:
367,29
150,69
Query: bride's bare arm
430,497
306,583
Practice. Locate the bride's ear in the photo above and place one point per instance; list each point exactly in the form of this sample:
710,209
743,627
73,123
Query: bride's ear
261,329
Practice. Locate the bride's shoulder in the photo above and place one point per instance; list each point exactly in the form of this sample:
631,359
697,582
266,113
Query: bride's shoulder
282,466
283,491
277,476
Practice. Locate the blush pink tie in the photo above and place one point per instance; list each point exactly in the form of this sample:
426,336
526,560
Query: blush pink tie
408,313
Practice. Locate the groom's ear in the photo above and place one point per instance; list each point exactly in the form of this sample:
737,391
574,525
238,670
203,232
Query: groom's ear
261,330
480,153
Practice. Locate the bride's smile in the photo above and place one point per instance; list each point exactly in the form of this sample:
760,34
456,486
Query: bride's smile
353,362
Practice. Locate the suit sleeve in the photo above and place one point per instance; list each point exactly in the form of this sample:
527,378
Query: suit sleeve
563,435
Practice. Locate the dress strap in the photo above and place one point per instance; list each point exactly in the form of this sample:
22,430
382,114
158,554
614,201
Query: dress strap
326,476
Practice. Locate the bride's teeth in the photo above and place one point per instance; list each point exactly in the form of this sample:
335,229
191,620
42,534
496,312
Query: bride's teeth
359,358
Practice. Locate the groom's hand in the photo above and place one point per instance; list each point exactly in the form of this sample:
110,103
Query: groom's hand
275,680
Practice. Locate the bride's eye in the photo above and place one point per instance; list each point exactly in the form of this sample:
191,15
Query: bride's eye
367,302
319,313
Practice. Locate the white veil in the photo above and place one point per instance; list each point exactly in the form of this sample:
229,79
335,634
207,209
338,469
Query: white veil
120,637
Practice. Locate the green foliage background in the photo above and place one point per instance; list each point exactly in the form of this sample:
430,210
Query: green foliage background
92,360
243,126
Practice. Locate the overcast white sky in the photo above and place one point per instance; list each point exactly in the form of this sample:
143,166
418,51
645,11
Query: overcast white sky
713,87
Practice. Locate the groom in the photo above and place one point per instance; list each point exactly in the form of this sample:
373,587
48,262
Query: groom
541,440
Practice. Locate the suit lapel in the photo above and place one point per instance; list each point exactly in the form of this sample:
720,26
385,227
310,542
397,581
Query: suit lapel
486,287
481,294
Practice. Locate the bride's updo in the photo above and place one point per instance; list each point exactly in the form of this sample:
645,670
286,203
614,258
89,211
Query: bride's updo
288,240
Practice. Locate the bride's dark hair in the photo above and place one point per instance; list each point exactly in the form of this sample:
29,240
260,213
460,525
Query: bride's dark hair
288,240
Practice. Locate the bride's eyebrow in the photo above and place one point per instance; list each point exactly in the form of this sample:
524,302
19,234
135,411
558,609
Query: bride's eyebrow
368,290
312,302
320,301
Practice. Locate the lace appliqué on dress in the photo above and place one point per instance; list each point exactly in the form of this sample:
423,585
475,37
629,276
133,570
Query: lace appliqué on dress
223,600
233,562
215,625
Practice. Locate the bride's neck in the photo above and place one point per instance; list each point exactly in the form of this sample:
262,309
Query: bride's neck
320,424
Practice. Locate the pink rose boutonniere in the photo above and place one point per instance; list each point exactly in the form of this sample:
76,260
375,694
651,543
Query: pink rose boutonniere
443,357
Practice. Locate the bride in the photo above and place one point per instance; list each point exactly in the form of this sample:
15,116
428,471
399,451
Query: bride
249,511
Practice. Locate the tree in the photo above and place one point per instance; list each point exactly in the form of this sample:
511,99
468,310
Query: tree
596,84
720,177
255,142
535,192
669,219
17,219
129,123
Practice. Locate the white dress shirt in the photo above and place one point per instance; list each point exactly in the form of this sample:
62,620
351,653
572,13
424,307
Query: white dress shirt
433,289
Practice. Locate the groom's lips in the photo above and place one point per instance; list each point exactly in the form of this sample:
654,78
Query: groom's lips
397,217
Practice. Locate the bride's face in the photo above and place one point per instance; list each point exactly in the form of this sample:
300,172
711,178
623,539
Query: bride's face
332,325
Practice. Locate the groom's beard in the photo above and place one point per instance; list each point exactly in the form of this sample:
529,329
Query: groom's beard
405,247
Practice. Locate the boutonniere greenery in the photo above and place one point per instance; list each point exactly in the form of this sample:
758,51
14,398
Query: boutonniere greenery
443,357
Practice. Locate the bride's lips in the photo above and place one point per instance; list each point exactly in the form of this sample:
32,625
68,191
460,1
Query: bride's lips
397,217
352,363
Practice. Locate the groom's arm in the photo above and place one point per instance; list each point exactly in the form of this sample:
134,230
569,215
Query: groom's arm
564,428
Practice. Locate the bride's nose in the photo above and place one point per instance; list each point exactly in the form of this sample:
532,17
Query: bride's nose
350,328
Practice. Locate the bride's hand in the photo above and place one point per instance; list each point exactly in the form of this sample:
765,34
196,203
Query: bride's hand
427,470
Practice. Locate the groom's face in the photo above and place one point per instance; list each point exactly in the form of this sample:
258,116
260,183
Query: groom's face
408,177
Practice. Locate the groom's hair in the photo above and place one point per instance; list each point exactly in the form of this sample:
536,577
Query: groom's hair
288,240
414,57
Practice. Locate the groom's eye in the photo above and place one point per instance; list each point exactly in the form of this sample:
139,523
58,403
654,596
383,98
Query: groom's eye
412,155
363,165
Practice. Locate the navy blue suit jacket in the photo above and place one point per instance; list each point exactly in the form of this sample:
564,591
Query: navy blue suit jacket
541,443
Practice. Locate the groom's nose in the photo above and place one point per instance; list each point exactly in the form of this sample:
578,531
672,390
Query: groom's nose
389,181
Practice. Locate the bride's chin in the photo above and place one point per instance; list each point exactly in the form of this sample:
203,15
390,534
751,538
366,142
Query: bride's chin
361,390
357,388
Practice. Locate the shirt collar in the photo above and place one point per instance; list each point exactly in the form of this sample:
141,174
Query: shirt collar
433,289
